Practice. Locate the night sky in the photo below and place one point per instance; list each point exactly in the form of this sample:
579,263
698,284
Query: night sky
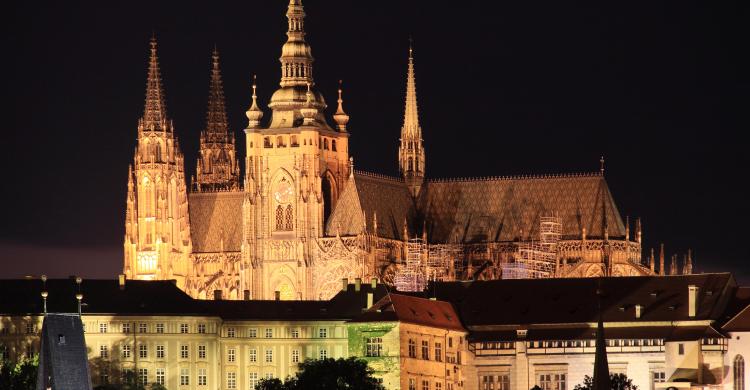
504,88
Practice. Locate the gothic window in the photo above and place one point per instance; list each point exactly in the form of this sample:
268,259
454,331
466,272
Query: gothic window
279,218
325,143
280,142
411,164
288,225
739,373
293,141
333,145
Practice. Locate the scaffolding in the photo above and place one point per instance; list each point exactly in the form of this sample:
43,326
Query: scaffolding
411,275
537,259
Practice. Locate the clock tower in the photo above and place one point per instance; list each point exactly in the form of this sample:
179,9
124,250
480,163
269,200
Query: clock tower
295,167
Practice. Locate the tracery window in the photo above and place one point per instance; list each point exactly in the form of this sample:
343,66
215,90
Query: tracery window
288,225
279,218
739,373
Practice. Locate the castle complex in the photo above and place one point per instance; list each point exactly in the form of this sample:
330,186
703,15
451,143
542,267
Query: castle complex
301,218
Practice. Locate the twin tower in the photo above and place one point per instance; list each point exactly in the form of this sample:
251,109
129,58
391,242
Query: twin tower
253,235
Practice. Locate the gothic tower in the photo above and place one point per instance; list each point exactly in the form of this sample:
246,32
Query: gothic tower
157,229
217,167
296,167
411,158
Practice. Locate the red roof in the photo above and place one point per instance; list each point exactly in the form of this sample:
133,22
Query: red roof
413,310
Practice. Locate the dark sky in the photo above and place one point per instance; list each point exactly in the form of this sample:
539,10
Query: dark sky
514,87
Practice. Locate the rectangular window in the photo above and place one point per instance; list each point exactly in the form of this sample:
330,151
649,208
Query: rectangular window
412,348
269,333
104,376
425,350
126,351
161,376
201,352
143,376
252,333
552,381
658,377
425,385
374,346
269,355
142,351
253,355
323,333
159,328
141,328
323,354
230,332
681,348
253,380
231,380
269,375
184,377
202,377
126,327
183,328
450,342
231,355
160,352
103,328
295,333
438,352
295,356
103,351
412,384
494,382
184,352
30,328
438,386
201,328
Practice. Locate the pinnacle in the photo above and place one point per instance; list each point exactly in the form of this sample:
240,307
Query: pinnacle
217,127
155,112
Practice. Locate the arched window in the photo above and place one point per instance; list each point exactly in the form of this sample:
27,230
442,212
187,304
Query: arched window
411,164
325,143
333,145
279,218
739,373
288,224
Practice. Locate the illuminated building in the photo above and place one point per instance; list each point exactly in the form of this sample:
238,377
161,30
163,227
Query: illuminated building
302,218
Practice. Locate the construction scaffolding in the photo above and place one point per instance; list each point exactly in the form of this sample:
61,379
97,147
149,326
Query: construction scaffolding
411,275
537,259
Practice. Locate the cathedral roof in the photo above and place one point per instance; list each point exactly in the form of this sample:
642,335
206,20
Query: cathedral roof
367,195
216,221
502,209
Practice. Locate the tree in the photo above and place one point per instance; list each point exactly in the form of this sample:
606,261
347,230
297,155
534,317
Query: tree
619,382
327,374
19,376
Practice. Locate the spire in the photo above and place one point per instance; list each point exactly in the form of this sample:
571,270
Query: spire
340,116
217,127
411,151
662,270
601,380
155,113
601,165
673,266
652,262
296,55
254,114
689,266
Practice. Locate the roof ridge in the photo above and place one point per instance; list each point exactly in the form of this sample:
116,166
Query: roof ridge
516,177
379,176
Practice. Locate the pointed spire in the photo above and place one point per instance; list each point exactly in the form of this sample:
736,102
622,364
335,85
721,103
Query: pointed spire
411,127
155,113
673,265
296,55
689,263
652,262
254,114
340,116
217,126
662,270
411,151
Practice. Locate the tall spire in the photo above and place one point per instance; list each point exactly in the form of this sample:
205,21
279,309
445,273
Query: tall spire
662,269
340,116
296,55
254,113
217,167
411,151
155,113
652,262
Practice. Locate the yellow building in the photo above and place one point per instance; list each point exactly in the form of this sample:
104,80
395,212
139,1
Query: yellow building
302,218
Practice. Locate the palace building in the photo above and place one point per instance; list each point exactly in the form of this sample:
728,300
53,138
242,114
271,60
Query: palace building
300,218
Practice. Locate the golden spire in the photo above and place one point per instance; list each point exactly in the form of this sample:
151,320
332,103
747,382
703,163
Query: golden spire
340,116
411,155
155,113
217,127
411,127
296,55
254,114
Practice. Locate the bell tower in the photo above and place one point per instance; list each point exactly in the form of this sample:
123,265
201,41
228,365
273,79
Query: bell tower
157,229
295,168
411,157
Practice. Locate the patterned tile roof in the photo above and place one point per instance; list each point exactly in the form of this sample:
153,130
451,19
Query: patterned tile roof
372,194
215,216
501,209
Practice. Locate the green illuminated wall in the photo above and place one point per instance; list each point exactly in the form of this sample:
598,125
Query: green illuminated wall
387,365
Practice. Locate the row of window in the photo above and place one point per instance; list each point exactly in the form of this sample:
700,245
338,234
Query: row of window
426,385
437,349
268,333
144,328
143,353
294,143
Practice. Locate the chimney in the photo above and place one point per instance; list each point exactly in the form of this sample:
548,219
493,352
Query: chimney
246,295
374,283
369,300
692,300
344,284
121,280
638,311
277,295
357,284
217,295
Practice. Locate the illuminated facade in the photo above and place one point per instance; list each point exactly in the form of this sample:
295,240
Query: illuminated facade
302,218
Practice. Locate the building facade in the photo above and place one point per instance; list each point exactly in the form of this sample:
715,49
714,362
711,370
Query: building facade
301,218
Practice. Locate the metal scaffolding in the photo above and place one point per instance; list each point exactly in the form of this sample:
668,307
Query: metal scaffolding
537,259
411,275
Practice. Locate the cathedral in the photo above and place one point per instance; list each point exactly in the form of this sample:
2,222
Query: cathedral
295,218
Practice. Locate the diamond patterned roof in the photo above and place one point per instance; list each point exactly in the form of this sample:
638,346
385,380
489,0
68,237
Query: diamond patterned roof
503,209
215,216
